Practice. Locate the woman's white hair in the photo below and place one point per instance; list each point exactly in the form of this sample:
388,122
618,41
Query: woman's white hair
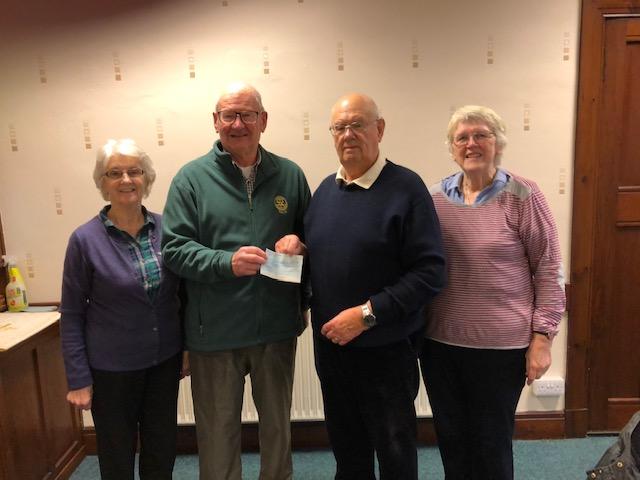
479,114
129,148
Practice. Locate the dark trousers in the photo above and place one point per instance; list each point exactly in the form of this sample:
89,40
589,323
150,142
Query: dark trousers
368,398
144,401
473,394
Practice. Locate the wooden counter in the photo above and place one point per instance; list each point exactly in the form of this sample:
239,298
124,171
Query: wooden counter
40,433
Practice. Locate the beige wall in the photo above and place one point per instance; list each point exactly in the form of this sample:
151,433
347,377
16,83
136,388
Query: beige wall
418,59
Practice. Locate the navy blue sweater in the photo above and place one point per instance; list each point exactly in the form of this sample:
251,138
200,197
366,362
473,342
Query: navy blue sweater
381,244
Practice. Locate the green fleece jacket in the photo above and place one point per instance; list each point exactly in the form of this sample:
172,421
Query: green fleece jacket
207,217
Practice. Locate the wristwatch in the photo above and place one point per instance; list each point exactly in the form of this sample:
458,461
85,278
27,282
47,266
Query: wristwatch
368,317
549,335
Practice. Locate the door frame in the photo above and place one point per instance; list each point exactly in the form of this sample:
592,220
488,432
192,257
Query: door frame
593,18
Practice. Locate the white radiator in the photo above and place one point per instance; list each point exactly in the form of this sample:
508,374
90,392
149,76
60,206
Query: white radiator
307,397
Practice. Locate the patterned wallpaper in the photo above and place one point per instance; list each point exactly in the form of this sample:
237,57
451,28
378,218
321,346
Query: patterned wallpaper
75,73
153,72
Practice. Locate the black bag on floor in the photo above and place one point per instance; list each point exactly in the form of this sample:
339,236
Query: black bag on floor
621,461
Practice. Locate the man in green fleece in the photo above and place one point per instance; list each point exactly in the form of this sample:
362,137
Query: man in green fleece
223,210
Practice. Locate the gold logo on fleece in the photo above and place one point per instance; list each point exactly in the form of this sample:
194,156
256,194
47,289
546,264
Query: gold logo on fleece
281,204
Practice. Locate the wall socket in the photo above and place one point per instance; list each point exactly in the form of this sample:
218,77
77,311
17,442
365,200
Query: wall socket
548,387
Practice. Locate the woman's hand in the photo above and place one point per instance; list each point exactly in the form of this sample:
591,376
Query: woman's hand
538,357
81,398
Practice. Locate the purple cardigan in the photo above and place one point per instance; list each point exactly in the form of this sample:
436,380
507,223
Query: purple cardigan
108,321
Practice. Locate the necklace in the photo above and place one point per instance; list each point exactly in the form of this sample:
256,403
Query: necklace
469,193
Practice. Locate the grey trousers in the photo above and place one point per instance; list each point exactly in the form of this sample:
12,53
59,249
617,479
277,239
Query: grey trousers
217,382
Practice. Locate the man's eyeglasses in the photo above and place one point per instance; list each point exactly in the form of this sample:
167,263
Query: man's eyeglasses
339,129
116,174
229,116
479,137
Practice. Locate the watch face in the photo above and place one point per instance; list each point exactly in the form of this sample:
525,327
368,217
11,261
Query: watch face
369,320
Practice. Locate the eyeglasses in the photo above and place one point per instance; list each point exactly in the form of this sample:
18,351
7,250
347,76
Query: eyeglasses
229,116
118,174
339,129
479,137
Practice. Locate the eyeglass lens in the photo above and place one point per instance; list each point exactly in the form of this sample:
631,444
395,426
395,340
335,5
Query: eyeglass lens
478,137
229,116
340,128
131,173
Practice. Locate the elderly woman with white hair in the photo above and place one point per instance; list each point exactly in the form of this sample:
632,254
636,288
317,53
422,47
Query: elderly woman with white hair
120,327
491,327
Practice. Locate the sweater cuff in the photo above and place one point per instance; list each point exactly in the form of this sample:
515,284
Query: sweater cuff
380,307
546,321
225,263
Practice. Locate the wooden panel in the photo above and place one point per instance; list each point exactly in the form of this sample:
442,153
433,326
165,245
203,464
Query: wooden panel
633,33
540,425
22,416
576,421
61,419
586,339
39,433
615,320
620,410
628,207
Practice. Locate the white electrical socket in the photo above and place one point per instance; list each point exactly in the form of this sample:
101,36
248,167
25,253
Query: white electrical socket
548,387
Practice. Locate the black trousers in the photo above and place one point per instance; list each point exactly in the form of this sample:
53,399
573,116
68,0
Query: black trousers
139,401
368,398
473,394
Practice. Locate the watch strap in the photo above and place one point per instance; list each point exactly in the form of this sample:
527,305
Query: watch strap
368,317
549,335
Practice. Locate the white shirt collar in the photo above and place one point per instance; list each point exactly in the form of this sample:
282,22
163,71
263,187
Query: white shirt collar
247,171
368,178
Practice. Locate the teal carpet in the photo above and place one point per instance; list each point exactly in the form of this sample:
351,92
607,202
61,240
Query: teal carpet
534,460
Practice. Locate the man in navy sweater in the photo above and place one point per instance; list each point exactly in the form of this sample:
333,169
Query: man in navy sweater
376,258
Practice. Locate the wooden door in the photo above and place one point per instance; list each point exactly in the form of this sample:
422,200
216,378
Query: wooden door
614,387
603,379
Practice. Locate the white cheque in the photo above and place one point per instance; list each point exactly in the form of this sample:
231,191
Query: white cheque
286,268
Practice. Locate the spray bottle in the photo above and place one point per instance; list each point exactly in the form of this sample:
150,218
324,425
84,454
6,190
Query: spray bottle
16,291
